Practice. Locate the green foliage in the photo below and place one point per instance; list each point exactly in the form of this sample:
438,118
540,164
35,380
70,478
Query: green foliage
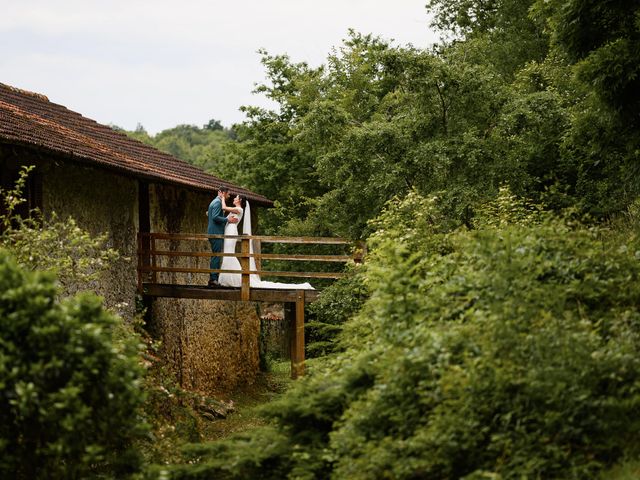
70,395
598,42
337,304
295,449
500,105
628,470
603,38
511,355
168,409
12,199
501,30
508,351
60,246
506,210
203,147
240,459
375,122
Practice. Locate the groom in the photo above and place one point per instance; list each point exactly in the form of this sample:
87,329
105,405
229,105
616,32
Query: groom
217,222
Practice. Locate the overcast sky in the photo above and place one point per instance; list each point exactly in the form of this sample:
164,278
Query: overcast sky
162,63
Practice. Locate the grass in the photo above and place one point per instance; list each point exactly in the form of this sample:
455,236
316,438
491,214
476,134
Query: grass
629,470
175,422
248,401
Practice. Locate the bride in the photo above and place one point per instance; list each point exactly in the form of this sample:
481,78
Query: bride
232,263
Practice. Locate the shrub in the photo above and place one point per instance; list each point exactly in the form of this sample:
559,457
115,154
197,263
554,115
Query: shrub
69,395
511,355
337,304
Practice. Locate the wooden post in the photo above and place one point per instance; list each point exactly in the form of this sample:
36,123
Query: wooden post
257,250
154,274
244,264
290,320
140,263
361,252
297,336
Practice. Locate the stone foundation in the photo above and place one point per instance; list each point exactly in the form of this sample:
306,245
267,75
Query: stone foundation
210,346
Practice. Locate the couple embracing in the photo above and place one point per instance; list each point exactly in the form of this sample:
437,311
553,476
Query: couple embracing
219,224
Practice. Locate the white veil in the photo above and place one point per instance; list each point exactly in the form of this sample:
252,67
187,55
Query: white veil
255,280
246,230
246,222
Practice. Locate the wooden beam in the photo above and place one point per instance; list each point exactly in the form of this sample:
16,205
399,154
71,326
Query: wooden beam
266,273
257,253
290,321
244,265
297,365
140,265
257,256
204,293
264,239
175,253
154,275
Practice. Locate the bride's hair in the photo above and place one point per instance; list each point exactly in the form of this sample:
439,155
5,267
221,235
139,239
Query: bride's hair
243,201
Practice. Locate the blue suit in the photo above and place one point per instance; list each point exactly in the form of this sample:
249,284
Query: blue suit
217,222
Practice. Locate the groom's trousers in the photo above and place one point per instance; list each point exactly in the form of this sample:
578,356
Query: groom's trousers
214,264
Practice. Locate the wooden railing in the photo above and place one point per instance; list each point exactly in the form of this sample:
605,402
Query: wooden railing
165,253
149,255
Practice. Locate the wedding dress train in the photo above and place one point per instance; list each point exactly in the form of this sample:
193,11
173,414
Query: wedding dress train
232,263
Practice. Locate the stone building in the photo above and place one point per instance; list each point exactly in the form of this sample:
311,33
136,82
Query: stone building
113,184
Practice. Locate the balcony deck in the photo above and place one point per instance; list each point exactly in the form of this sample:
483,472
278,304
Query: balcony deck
151,265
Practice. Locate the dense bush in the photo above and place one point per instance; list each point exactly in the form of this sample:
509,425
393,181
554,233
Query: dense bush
69,395
337,304
508,351
513,355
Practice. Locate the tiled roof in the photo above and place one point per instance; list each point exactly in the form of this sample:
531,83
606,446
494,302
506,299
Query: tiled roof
30,119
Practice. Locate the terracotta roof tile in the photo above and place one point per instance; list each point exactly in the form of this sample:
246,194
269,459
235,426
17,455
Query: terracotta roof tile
30,119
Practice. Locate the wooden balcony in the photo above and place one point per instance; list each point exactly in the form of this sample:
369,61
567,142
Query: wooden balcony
176,265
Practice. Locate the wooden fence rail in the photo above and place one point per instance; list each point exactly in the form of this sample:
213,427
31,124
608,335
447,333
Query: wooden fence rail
148,256
150,265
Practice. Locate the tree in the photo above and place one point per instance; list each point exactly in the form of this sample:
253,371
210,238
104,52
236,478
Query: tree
213,125
203,147
602,38
507,36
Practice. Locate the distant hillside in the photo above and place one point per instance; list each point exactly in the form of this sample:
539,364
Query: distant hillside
203,147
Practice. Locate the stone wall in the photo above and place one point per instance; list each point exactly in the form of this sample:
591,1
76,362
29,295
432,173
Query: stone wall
275,331
101,202
211,346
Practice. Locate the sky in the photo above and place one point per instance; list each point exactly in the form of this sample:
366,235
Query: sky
161,63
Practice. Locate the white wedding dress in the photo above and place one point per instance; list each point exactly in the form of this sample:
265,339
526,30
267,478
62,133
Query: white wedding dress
232,263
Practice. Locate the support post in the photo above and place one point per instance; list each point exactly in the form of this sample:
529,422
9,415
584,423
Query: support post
297,336
140,263
154,274
244,264
257,250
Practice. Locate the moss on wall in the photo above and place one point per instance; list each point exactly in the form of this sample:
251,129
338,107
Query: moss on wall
211,346
101,202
